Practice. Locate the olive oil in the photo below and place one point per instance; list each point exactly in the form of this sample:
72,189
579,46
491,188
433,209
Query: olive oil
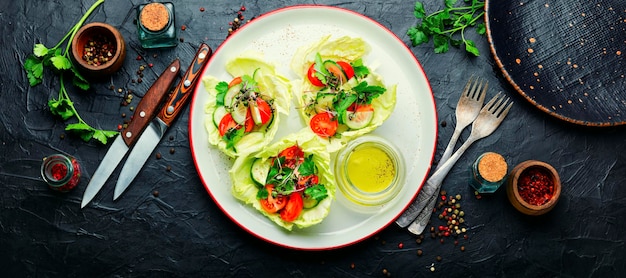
370,169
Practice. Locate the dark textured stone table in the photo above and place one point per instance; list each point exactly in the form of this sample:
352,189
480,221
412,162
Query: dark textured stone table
181,232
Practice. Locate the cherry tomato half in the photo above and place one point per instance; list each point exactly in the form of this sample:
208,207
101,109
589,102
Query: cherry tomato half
249,124
360,107
323,125
292,152
347,69
264,109
226,123
293,208
273,204
312,78
307,181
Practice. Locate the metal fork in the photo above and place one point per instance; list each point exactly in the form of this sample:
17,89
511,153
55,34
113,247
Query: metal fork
467,110
487,121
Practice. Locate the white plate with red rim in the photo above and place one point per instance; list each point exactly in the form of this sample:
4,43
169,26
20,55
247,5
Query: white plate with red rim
412,127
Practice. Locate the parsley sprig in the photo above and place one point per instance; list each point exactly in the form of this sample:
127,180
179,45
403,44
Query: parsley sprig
57,58
442,25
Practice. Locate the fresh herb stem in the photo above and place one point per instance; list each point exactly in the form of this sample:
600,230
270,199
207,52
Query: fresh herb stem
60,60
443,24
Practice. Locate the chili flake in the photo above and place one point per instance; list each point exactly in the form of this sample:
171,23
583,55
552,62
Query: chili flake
535,186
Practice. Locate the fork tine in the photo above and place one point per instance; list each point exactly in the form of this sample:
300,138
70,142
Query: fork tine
502,113
467,87
489,104
472,93
481,95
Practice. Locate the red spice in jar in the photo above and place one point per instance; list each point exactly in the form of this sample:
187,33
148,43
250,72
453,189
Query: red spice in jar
62,173
535,186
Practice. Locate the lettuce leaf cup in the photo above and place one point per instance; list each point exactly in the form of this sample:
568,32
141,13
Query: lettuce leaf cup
339,97
243,113
290,181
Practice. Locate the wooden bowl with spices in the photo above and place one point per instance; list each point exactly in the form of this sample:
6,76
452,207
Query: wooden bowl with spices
98,50
533,187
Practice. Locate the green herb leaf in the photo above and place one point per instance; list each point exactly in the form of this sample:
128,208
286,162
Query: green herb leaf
61,108
471,48
441,43
481,29
104,135
83,130
61,63
443,24
317,192
34,70
418,11
221,88
360,70
307,167
232,137
40,50
79,80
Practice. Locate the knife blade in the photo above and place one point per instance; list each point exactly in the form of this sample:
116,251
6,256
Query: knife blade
144,113
152,135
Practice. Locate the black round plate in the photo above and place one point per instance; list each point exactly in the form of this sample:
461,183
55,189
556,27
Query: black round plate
564,56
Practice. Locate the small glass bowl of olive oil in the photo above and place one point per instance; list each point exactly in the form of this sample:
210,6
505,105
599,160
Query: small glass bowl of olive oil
369,172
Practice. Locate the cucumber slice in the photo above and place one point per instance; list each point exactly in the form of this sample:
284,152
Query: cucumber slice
324,102
240,112
308,202
218,115
336,70
358,119
255,113
231,95
259,170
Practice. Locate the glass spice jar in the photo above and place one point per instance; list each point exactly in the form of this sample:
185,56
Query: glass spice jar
488,172
60,172
156,25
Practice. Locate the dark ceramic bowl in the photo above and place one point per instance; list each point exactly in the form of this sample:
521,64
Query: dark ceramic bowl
536,172
98,32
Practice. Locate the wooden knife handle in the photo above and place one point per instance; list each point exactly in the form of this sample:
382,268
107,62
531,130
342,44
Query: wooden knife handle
147,107
181,94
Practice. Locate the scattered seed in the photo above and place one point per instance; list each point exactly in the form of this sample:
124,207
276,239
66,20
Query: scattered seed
201,9
462,247
172,151
155,193
168,168
158,155
420,252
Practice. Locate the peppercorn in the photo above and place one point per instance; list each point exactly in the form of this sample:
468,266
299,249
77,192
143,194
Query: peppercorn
438,258
155,193
172,151
420,252
158,155
168,168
